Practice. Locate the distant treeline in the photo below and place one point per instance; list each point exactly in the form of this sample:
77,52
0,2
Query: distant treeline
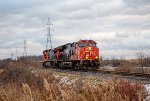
30,60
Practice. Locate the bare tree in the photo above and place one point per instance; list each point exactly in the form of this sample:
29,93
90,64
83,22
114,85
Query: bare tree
143,60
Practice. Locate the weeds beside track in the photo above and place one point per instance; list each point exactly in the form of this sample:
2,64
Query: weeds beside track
97,73
22,82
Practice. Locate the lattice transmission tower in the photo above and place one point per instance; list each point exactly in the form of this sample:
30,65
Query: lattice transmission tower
49,39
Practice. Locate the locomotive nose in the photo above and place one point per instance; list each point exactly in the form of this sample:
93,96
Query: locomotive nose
90,53
88,48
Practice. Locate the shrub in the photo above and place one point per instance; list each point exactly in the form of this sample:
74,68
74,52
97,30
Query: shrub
20,84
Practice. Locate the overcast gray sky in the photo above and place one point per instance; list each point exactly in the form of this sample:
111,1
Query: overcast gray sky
120,27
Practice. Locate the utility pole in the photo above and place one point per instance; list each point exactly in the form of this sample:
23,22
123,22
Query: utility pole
25,48
16,54
49,40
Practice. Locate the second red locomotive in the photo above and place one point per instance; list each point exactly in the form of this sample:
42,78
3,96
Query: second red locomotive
83,54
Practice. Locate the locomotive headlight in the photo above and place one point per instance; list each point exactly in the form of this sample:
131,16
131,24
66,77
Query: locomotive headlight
86,57
96,57
89,48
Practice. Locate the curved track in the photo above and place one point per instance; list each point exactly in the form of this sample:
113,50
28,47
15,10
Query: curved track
106,74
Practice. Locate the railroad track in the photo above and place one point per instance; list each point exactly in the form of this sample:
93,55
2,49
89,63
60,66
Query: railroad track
132,76
124,75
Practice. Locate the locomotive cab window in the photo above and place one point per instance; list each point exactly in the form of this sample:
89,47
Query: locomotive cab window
92,44
82,44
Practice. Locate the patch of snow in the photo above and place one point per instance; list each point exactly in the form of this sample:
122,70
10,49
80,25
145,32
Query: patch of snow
73,83
55,76
108,68
65,80
148,89
146,67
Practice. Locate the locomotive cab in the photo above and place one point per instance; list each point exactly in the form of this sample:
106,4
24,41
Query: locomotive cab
88,50
87,54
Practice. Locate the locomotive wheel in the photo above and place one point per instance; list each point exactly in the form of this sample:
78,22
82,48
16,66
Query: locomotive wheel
85,68
61,66
52,65
77,66
73,66
45,64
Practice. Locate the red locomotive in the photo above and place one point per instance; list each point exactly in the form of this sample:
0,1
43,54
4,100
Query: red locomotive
83,54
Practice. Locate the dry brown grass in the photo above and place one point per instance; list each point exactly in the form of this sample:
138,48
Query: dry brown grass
128,68
20,84
124,68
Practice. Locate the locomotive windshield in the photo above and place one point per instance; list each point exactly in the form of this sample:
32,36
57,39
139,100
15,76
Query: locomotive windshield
82,44
92,44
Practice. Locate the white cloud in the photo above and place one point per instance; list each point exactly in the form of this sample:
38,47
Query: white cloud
119,26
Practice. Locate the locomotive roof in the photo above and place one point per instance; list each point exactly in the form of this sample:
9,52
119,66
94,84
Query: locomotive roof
63,46
87,41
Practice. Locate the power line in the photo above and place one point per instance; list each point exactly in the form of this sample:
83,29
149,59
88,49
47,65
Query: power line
49,40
